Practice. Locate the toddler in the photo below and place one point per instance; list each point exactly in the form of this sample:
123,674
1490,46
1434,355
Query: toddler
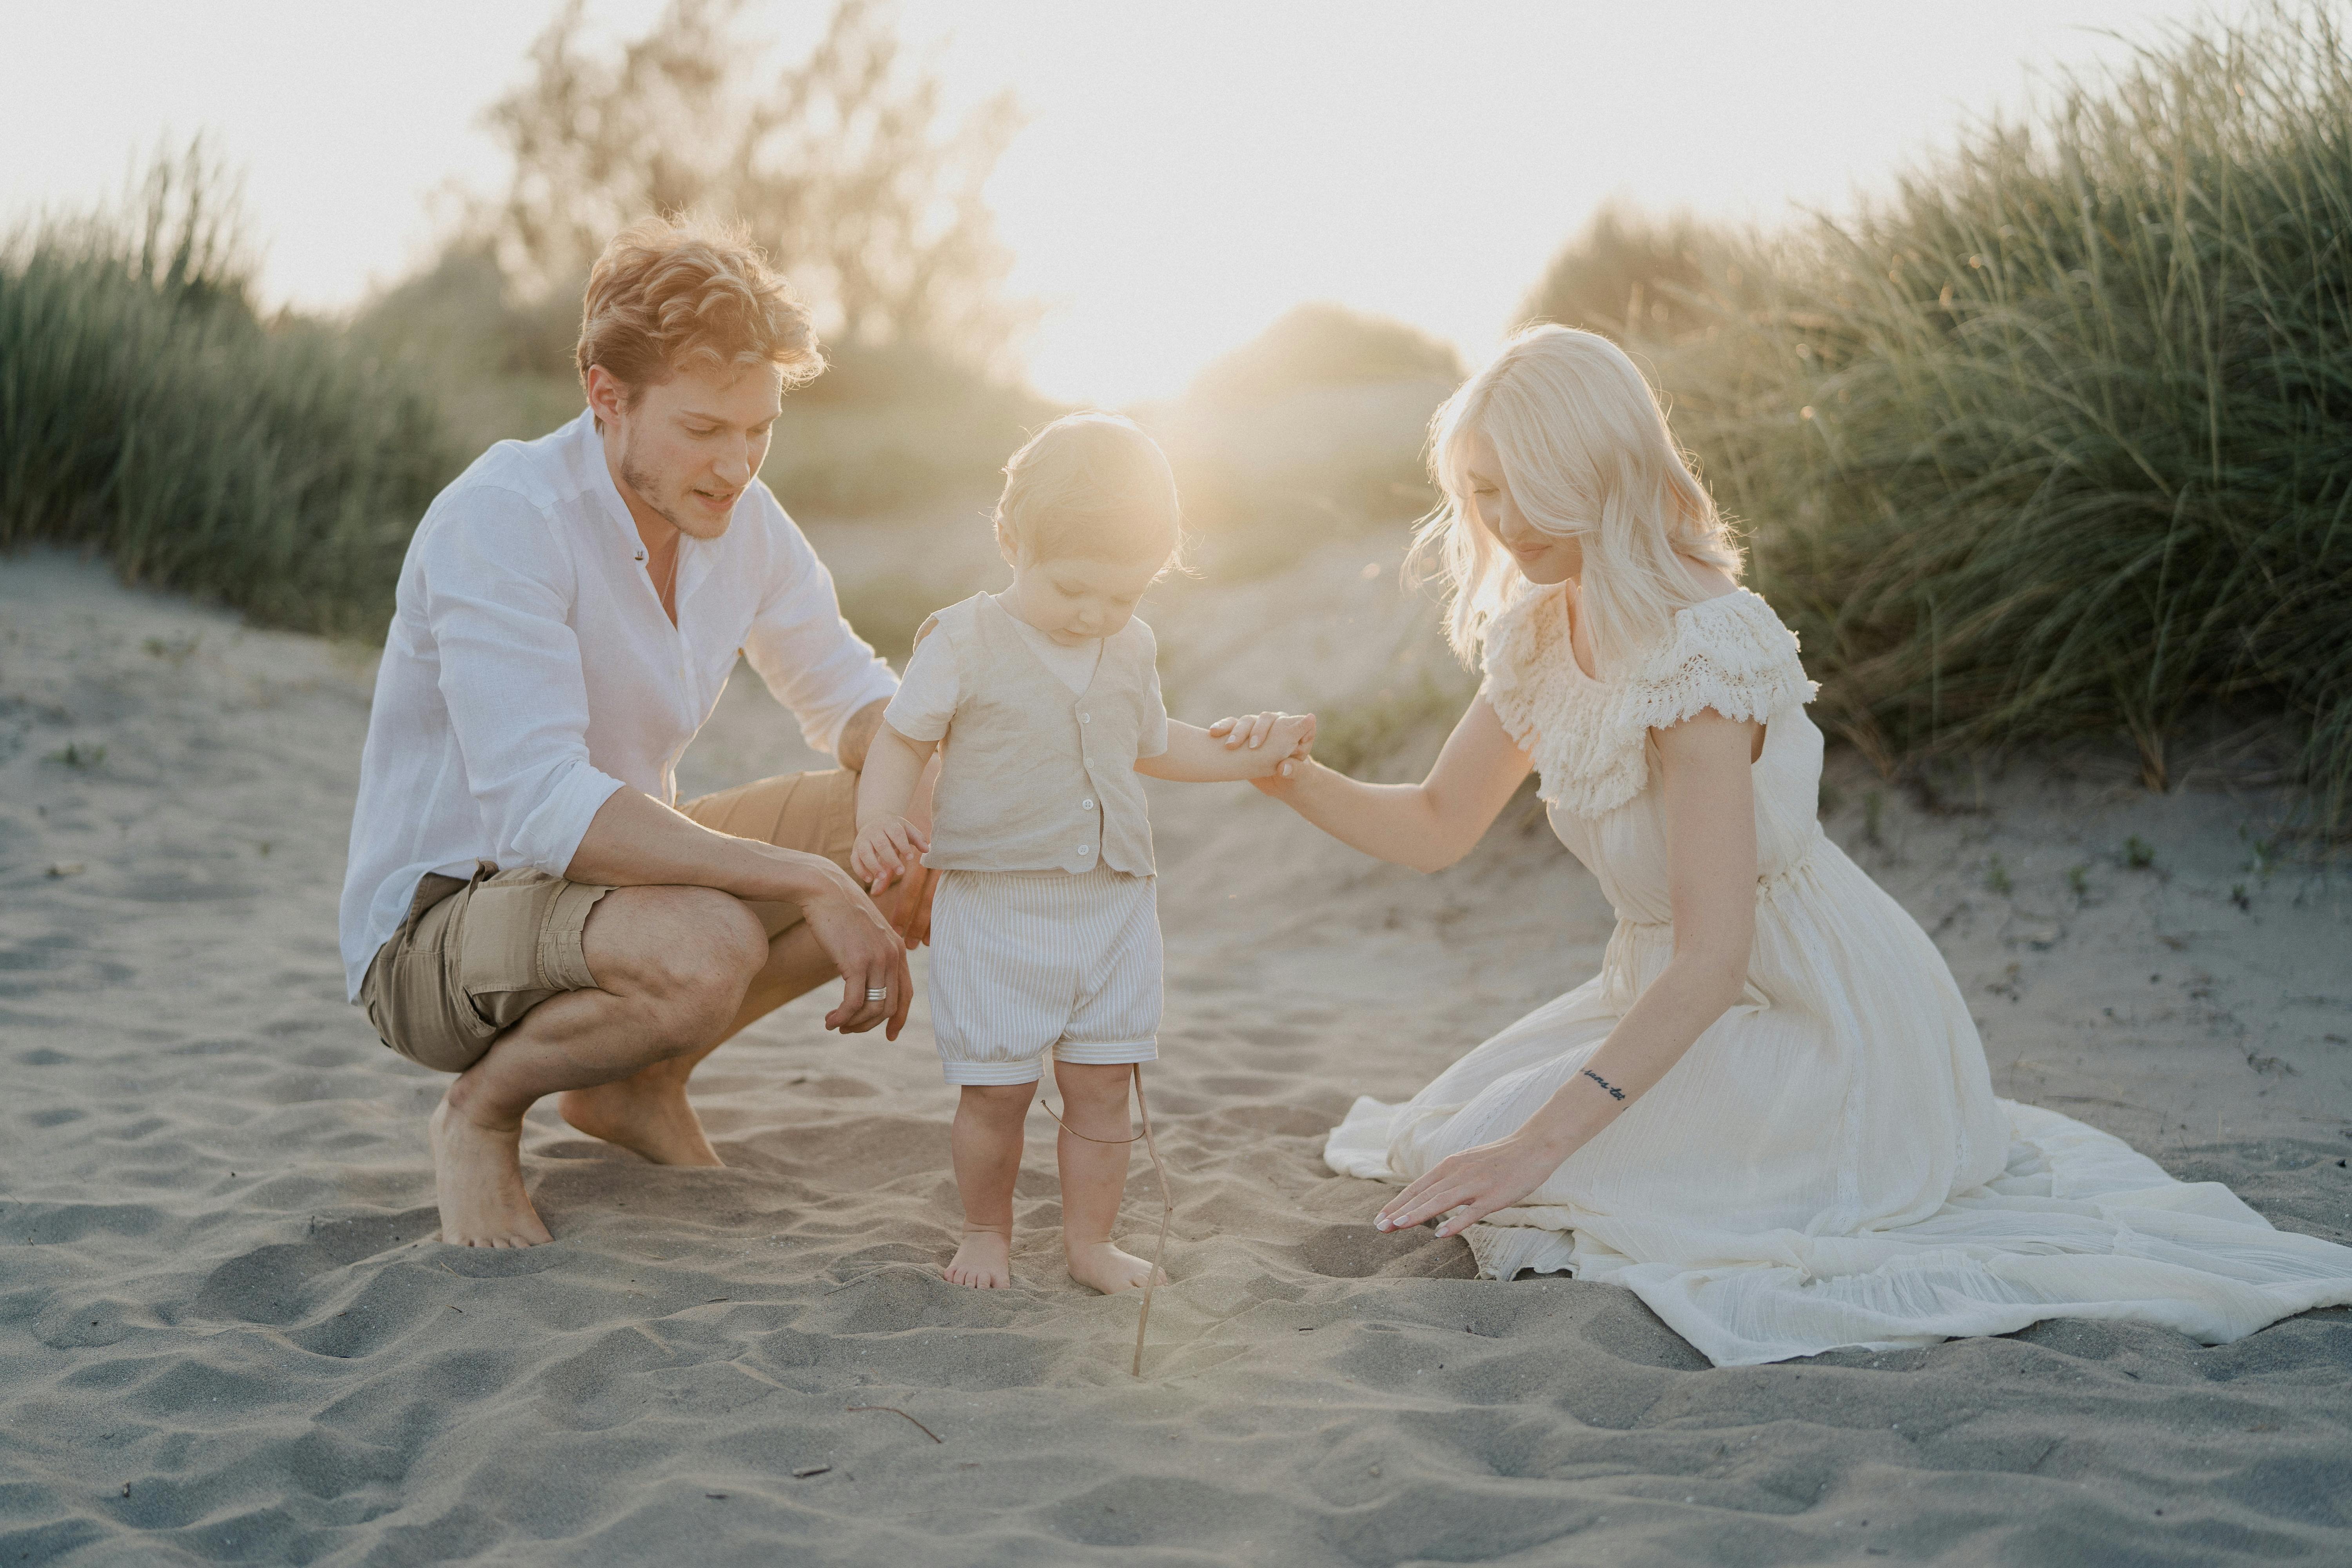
1043,705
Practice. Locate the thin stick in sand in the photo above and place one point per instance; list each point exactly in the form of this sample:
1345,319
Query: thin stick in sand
1167,1205
894,1410
1151,1147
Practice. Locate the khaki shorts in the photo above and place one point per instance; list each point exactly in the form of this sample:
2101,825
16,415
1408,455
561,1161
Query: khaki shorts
474,956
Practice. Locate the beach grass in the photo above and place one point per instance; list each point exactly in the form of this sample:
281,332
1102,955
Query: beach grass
2057,436
147,413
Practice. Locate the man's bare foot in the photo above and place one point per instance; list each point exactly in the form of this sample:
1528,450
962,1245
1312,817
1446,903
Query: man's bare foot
1107,1269
477,1181
653,1120
984,1261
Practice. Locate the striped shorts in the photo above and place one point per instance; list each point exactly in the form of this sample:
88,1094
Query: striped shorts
1025,963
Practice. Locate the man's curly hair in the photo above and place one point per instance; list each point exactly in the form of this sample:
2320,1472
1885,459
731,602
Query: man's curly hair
667,295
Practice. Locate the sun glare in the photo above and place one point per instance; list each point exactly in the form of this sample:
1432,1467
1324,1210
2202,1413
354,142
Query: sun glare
1184,173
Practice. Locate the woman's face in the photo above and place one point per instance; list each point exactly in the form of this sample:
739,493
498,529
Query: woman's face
1543,558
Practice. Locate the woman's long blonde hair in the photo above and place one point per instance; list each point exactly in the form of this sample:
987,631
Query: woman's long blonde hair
1586,452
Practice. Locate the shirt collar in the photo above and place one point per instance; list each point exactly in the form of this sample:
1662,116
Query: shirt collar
696,557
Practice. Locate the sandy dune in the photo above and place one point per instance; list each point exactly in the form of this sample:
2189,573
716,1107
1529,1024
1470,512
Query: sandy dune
225,1334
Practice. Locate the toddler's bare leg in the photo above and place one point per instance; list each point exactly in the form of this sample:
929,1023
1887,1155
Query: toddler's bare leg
1094,1174
986,1139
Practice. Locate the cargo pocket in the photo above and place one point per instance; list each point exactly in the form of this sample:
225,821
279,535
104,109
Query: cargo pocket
407,991
493,951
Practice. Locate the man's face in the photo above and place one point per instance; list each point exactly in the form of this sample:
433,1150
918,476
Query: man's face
688,449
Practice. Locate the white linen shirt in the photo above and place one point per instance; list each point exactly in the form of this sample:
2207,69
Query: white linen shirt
530,671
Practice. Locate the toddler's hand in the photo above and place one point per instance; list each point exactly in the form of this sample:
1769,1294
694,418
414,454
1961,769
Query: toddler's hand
886,849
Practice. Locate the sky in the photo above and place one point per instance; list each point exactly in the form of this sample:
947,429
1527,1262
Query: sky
1186,171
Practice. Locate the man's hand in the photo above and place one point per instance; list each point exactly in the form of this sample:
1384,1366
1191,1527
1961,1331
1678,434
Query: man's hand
870,955
886,848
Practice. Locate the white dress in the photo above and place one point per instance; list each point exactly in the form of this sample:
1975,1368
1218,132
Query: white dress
1827,1166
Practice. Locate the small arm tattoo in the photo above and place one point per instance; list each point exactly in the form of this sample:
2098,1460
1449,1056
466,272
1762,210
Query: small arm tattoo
1614,1093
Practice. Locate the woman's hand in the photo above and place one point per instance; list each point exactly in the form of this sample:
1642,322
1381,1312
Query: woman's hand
1472,1183
1281,784
1293,735
1254,729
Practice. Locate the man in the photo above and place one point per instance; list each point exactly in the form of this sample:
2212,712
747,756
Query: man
524,907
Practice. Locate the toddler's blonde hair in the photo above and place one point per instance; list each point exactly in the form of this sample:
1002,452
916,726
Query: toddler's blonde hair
1586,452
1091,486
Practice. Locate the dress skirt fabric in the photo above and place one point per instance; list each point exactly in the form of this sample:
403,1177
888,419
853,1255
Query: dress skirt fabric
1827,1166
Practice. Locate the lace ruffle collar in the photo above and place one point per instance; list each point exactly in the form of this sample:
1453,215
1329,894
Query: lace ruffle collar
1589,737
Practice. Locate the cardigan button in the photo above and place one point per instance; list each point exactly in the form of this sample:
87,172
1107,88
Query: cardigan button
1086,805
1085,717
1084,849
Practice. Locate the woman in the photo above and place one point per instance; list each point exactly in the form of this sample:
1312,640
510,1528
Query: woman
1768,1115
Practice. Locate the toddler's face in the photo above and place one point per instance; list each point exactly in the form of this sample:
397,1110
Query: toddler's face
1073,601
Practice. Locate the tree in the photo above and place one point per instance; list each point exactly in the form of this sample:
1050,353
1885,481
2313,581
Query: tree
840,166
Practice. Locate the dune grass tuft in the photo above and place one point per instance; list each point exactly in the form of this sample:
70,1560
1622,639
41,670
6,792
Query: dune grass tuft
146,412
2058,438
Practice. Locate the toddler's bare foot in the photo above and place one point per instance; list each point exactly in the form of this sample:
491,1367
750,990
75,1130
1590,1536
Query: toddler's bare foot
1107,1269
984,1261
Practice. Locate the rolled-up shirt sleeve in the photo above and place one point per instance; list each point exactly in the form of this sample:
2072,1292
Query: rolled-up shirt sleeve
497,603
802,649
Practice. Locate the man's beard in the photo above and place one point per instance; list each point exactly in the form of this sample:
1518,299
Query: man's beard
640,484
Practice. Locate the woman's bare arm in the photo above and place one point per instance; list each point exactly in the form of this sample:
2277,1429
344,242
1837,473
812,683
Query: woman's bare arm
1711,882
1428,826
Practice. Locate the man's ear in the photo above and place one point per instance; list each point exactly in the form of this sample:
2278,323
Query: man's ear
606,394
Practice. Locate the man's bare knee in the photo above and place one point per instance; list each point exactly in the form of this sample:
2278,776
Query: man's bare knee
684,952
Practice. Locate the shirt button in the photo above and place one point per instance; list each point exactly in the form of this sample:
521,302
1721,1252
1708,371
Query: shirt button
1086,805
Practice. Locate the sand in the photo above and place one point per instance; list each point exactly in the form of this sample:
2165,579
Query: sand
227,1335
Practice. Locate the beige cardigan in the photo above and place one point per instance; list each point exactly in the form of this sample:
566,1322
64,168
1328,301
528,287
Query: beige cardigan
1032,778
